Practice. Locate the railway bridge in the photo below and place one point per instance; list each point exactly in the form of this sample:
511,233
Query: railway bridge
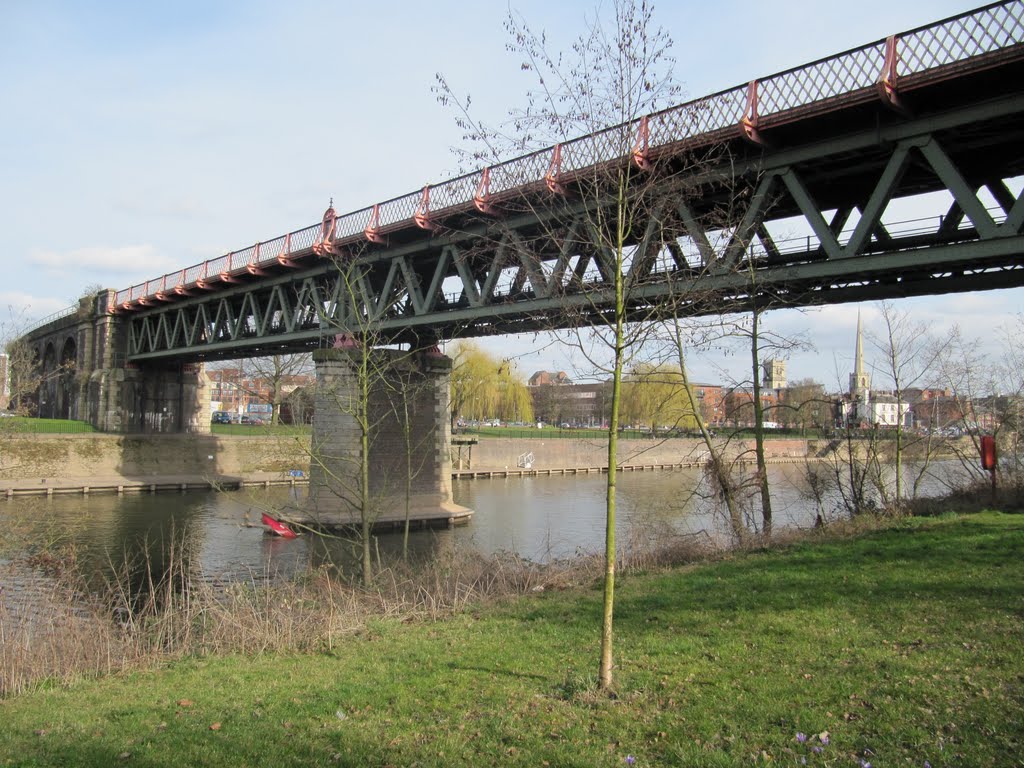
775,193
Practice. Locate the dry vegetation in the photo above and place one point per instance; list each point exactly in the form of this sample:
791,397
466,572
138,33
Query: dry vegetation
53,626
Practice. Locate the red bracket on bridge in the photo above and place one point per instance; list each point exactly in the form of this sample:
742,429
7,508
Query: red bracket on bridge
422,215
641,154
284,258
553,177
324,246
344,341
750,120
482,198
888,81
372,230
252,267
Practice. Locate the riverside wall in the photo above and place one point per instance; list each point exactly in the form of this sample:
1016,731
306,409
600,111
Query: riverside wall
495,454
105,461
34,462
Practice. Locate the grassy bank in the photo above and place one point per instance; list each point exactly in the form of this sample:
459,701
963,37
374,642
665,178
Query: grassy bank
896,647
23,425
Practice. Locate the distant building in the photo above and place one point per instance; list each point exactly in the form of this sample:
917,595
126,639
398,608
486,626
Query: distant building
883,410
556,400
543,378
232,391
739,407
873,409
712,402
774,374
860,379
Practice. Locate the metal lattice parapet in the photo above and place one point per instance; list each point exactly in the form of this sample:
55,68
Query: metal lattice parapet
523,275
927,54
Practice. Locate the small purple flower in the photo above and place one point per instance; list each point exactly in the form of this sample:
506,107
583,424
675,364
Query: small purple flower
927,764
864,763
823,738
803,760
818,750
801,737
630,759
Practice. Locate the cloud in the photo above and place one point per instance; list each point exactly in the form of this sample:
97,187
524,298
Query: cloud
183,207
127,259
19,311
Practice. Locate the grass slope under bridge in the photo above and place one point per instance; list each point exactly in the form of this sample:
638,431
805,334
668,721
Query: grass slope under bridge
901,647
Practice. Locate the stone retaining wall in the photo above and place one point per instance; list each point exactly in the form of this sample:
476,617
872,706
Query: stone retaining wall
41,458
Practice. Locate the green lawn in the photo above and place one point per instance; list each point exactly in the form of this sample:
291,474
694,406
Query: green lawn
903,646
24,424
286,430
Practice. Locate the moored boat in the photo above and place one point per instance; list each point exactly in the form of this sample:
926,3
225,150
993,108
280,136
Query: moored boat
277,527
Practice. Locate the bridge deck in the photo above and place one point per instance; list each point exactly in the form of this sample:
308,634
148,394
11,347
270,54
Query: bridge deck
822,149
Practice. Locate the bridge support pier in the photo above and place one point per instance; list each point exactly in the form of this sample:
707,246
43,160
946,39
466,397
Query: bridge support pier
402,425
172,400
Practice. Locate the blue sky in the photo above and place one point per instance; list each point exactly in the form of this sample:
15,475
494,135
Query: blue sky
139,138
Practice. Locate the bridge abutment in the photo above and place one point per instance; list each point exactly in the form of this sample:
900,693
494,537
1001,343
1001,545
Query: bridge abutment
390,407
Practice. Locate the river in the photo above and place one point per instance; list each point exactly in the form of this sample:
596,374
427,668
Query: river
539,518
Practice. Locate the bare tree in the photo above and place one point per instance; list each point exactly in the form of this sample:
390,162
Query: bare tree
617,71
721,471
363,398
909,358
805,406
275,377
986,395
25,375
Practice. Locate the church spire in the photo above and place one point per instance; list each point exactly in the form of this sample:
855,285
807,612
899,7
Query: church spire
860,381
858,364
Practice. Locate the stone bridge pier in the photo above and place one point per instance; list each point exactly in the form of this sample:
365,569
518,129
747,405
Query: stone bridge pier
80,371
381,438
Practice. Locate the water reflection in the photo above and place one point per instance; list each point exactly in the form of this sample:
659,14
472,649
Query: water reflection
213,534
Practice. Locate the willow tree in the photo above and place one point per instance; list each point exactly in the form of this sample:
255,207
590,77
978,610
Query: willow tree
603,207
485,387
657,395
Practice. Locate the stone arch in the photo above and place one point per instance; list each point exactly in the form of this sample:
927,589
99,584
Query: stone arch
66,384
48,381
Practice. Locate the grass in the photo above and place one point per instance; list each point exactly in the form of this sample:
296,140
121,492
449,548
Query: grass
25,424
286,430
896,647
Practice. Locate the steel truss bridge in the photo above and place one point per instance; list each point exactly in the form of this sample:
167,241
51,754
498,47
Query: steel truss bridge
770,193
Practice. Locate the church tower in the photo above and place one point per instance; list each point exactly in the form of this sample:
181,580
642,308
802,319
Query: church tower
860,380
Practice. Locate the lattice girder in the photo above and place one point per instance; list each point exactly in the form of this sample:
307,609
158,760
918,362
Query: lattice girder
531,271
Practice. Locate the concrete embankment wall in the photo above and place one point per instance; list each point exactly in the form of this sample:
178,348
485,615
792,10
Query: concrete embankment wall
101,460
501,453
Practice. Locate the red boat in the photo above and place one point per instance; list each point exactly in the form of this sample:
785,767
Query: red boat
276,526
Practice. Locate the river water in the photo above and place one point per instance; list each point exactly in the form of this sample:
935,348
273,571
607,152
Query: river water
539,518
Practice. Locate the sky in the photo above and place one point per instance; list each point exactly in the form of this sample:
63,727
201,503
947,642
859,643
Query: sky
139,138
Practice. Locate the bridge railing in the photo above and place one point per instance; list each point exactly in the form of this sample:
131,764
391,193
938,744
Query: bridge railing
924,54
58,315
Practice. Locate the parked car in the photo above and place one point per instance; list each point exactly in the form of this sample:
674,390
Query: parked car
253,420
221,417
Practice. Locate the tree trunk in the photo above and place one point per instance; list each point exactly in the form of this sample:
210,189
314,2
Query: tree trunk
762,467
